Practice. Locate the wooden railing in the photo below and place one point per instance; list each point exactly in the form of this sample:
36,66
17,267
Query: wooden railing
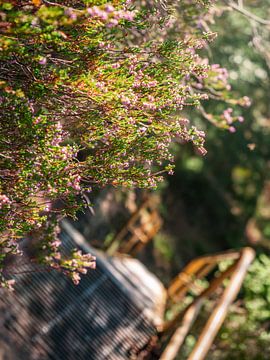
197,269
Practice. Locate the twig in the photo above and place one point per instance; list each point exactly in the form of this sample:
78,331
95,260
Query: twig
247,13
61,6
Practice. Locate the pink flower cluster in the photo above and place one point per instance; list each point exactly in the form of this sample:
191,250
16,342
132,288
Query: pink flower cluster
230,119
8,284
110,15
58,135
75,182
245,101
80,265
129,101
144,84
222,75
227,115
4,200
71,13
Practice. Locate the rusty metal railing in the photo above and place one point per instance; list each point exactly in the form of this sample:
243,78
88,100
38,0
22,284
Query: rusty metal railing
139,230
199,268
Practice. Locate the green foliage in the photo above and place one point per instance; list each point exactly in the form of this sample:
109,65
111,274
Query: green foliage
223,201
246,333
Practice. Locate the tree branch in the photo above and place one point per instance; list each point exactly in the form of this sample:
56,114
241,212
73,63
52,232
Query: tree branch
247,13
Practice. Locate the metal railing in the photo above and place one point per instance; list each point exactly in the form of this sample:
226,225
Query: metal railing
137,232
197,269
142,226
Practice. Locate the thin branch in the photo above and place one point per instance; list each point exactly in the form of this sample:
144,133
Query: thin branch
247,13
50,3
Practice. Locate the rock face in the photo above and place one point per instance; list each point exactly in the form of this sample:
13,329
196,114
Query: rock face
111,314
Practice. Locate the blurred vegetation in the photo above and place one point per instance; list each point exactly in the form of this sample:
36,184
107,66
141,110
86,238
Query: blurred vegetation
223,201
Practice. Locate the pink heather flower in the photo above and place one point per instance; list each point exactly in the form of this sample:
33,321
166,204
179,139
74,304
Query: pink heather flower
75,278
55,265
131,121
71,14
232,129
202,151
143,129
116,66
65,152
102,86
9,284
183,122
170,22
94,264
74,263
37,120
109,8
227,115
161,146
88,257
47,207
200,44
56,140
34,22
152,83
91,264
58,126
204,97
119,14
4,200
112,23
137,84
101,44
103,15
56,243
42,61
57,256
152,182
128,15
201,133
125,100
95,11
149,106
77,187
82,270
31,106
92,11
139,75
246,101
75,183
240,118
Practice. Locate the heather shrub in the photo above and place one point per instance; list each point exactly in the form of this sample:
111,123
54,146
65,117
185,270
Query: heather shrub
90,97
